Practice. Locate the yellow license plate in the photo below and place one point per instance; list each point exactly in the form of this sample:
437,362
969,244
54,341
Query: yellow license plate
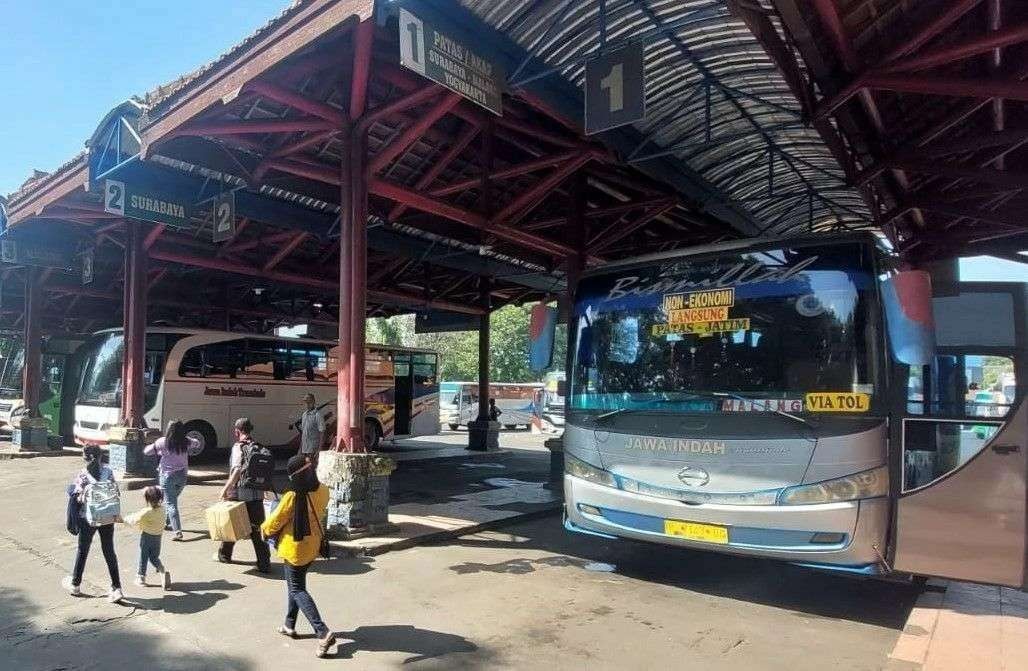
694,531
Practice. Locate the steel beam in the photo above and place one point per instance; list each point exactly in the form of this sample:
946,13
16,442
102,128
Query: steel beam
942,21
505,173
152,235
448,157
1012,89
412,133
621,229
523,204
216,128
286,250
298,102
957,52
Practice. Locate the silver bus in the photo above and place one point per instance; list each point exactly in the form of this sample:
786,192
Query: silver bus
801,400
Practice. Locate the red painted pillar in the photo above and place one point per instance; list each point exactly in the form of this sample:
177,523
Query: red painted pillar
32,371
343,405
359,283
134,324
485,291
574,263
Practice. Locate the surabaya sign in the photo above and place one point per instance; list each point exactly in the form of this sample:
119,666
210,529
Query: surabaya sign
128,200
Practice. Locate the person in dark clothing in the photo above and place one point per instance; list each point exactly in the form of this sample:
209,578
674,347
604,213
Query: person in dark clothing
94,471
494,412
253,499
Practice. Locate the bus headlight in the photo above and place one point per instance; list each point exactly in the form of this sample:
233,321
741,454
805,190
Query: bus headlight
863,485
580,469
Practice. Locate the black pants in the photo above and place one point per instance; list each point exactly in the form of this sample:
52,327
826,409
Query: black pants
86,531
255,511
298,599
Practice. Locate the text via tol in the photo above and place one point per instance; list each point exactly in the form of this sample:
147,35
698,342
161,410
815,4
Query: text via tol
837,402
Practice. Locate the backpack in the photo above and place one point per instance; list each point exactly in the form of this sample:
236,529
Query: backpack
258,468
102,501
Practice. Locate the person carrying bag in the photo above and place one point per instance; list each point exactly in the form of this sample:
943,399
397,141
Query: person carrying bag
299,537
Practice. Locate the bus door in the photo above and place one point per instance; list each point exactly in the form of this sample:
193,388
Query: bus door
960,507
403,393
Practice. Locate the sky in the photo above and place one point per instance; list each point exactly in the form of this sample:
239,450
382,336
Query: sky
65,63
991,269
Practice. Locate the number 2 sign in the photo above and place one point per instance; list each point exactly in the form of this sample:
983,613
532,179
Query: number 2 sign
615,92
224,213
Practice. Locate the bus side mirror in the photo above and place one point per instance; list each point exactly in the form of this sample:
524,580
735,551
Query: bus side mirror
909,320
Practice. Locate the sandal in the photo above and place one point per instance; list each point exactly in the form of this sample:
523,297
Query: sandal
286,631
326,643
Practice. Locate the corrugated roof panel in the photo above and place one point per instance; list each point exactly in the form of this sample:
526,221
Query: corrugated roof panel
692,47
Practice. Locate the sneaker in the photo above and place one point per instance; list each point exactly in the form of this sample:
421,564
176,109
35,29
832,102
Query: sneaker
139,581
167,580
115,595
70,588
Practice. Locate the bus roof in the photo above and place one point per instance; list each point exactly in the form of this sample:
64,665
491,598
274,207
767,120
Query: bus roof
264,336
735,245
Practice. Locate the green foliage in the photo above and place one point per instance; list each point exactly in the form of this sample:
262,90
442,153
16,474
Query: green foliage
458,350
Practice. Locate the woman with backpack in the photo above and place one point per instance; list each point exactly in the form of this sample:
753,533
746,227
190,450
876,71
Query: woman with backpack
299,535
94,475
173,449
254,498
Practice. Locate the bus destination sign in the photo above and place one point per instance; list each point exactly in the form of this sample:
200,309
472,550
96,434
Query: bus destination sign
439,57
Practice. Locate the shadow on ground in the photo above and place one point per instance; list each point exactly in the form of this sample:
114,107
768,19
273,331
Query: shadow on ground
806,592
420,644
31,638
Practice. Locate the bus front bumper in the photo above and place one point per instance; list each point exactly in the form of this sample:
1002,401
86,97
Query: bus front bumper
831,535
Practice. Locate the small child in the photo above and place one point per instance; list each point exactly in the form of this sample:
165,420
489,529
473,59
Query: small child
150,521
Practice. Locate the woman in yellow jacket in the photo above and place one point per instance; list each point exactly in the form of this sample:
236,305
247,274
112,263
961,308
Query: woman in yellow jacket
297,526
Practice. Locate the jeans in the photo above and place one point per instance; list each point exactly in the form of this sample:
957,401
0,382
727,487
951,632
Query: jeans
255,511
149,551
86,531
298,598
173,483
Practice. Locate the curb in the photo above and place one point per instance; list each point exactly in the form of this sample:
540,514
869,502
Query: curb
14,454
349,550
911,648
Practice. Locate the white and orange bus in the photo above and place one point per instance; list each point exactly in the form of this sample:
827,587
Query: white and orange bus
209,378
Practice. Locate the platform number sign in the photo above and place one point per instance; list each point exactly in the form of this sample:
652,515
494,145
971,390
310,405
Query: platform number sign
224,212
114,197
615,91
412,42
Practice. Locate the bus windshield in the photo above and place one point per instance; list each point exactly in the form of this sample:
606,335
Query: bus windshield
743,330
11,377
101,380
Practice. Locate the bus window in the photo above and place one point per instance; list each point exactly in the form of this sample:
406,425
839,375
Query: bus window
952,388
264,360
221,360
307,364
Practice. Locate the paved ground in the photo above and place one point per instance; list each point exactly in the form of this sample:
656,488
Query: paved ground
528,597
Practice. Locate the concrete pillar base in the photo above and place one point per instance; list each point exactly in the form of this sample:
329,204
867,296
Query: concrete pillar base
359,492
126,458
483,436
30,434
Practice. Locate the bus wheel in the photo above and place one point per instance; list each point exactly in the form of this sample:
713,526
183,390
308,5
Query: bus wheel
204,433
453,427
372,434
510,427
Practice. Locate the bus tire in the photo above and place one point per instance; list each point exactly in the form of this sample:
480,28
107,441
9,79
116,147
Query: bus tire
453,427
511,427
203,432
372,434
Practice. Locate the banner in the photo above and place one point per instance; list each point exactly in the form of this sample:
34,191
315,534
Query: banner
541,330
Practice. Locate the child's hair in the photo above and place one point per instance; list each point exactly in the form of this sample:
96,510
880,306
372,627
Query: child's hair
153,495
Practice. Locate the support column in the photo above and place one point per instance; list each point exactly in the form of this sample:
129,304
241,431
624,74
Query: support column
359,500
30,432
126,441
483,433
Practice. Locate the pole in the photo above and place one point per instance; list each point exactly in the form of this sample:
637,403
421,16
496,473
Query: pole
343,443
134,320
485,287
358,282
32,370
574,263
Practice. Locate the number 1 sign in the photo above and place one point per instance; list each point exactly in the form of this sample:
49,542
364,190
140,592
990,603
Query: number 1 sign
615,91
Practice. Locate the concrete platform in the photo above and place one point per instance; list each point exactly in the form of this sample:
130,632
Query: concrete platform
955,626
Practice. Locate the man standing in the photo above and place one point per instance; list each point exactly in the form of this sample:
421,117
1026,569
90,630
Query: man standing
312,429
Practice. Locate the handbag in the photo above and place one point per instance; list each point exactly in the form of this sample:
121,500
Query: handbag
324,549
73,512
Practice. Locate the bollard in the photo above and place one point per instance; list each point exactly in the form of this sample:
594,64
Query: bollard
556,448
29,434
483,436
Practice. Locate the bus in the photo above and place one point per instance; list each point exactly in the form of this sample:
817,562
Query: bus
802,400
209,378
553,399
520,404
56,351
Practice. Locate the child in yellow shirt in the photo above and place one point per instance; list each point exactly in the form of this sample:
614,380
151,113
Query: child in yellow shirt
150,521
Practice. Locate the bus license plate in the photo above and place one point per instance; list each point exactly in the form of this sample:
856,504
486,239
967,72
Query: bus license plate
694,531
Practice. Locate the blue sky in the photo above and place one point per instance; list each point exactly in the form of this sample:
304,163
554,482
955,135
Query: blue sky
66,63
990,269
